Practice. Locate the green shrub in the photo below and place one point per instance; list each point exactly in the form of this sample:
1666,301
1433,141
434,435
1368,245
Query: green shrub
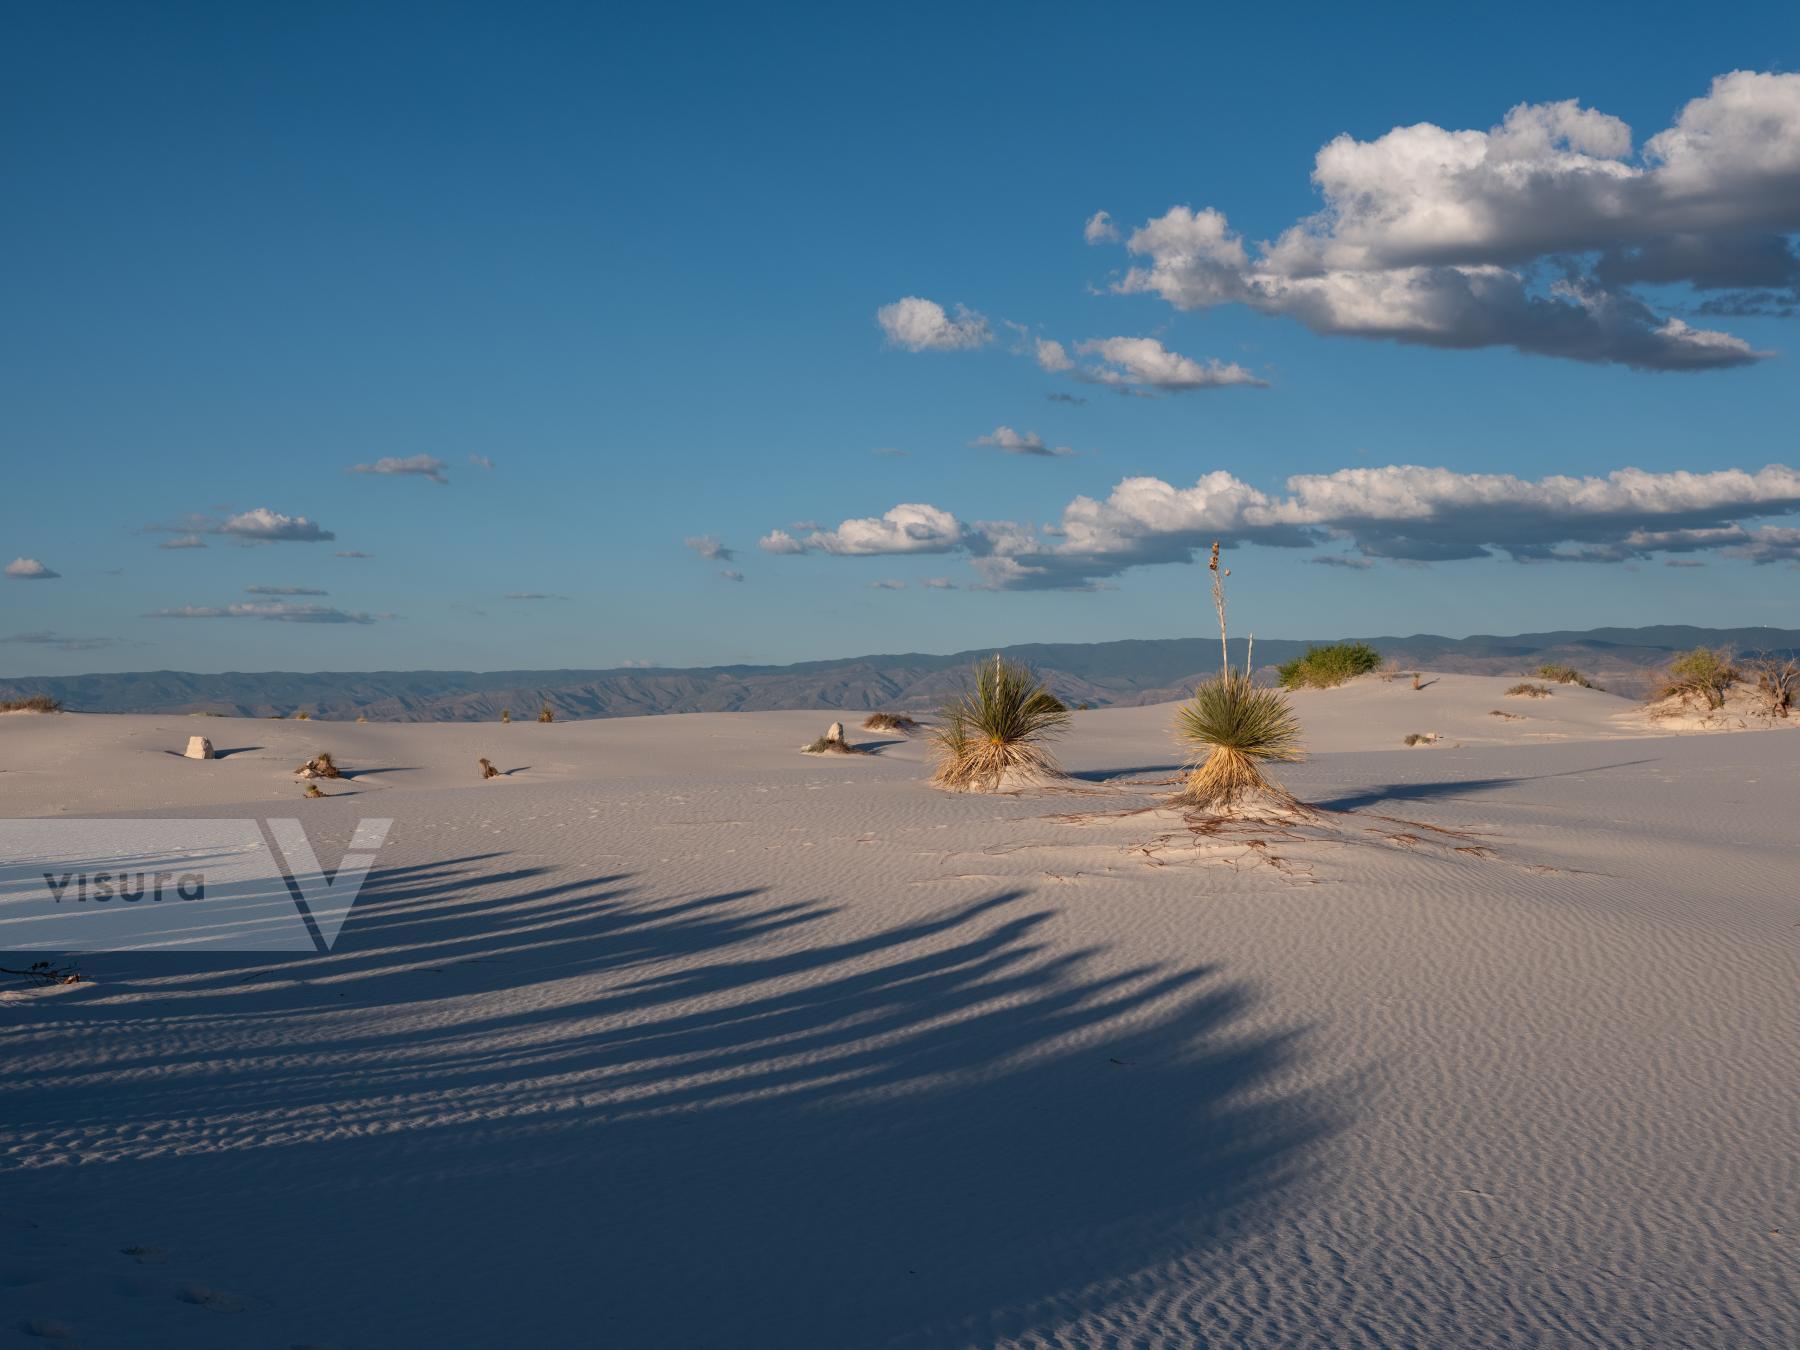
1563,675
899,722
1526,689
1705,674
1323,667
34,703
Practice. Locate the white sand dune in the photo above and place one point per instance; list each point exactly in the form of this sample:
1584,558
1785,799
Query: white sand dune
676,1037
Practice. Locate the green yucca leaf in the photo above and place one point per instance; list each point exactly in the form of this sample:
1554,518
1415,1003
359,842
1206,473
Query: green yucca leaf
997,725
1233,713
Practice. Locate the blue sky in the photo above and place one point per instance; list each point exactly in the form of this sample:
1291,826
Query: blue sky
635,263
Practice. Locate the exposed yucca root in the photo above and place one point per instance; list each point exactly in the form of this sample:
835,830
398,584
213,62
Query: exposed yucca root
1228,783
993,766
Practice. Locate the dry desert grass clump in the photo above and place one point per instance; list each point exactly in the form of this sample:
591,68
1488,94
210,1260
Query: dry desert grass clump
38,703
1506,716
1240,726
992,736
890,722
488,770
1421,738
1526,689
545,714
1327,667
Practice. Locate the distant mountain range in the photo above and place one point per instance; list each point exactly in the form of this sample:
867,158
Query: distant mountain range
1100,673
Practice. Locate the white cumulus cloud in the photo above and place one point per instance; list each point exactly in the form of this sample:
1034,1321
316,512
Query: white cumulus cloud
264,524
1144,363
1410,513
1100,229
921,325
1020,443
1528,235
709,548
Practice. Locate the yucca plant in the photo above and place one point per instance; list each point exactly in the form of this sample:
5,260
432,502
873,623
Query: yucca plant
992,736
1240,726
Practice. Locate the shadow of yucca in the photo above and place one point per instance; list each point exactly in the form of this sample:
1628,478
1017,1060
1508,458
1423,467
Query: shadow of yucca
711,1119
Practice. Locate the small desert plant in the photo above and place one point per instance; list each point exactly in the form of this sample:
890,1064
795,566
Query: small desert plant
1562,675
996,729
1705,674
1506,716
1418,680
506,714
320,765
41,703
302,716
1239,725
545,715
1421,738
1526,689
361,718
1324,667
45,972
890,722
1083,707
825,745
488,770
312,790
1777,681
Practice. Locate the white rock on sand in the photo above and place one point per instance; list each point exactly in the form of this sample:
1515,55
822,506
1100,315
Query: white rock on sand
686,1039
198,747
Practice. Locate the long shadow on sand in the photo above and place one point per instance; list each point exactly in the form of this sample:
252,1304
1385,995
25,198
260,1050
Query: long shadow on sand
1452,787
554,1112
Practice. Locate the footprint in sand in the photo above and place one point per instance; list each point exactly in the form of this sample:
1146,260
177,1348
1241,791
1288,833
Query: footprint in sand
216,1299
